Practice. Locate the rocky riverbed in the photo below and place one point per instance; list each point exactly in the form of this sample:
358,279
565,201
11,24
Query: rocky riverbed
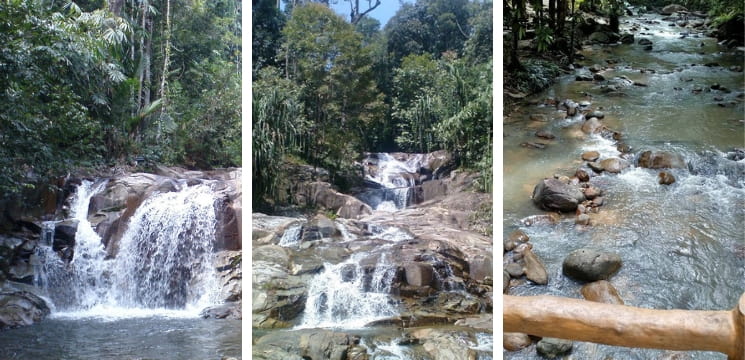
412,282
623,182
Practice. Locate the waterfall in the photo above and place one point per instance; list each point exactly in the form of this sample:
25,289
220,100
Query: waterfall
164,259
350,295
393,178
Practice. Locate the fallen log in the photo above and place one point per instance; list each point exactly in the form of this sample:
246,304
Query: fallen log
621,325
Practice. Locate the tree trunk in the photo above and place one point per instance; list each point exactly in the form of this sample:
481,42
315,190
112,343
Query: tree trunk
164,77
551,13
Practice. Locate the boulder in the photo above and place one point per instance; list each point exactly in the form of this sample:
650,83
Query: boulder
552,194
601,291
614,165
592,192
308,344
590,265
591,125
535,271
661,160
596,114
553,348
515,341
514,269
590,155
582,175
21,308
645,41
545,135
323,195
228,310
665,178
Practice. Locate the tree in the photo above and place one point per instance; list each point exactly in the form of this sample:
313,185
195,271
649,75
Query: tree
325,57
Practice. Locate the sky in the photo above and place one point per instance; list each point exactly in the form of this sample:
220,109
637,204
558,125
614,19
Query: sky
383,13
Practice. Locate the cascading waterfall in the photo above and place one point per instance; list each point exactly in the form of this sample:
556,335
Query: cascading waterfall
350,295
164,259
165,256
395,179
357,291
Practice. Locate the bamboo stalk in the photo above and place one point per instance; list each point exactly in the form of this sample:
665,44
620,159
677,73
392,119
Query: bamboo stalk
620,325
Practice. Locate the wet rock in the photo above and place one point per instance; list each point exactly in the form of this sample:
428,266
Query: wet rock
595,166
595,68
598,77
736,154
591,125
321,194
535,271
645,41
553,348
614,165
480,267
623,147
419,274
309,344
538,117
582,175
64,234
514,269
545,135
627,38
21,308
318,228
592,192
582,77
665,178
519,236
736,68
582,219
647,48
601,291
661,160
448,345
590,265
552,194
505,281
229,310
590,155
515,341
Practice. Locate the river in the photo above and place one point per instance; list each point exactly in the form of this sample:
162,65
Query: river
682,245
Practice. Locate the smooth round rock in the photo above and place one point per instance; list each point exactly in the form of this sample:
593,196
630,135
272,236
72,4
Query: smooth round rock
591,265
590,155
553,348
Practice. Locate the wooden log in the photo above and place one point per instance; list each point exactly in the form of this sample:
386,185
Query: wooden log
620,325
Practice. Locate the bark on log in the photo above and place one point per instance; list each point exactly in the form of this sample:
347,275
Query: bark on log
620,325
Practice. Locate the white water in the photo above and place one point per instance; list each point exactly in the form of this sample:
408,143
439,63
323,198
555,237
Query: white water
163,266
355,292
396,178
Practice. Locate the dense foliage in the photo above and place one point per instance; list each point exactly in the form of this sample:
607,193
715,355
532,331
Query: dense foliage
327,88
86,84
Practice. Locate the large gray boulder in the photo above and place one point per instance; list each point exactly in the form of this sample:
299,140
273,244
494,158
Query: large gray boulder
552,347
591,265
672,8
21,308
552,194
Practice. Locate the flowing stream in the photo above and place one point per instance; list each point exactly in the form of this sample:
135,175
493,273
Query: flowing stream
145,301
682,245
